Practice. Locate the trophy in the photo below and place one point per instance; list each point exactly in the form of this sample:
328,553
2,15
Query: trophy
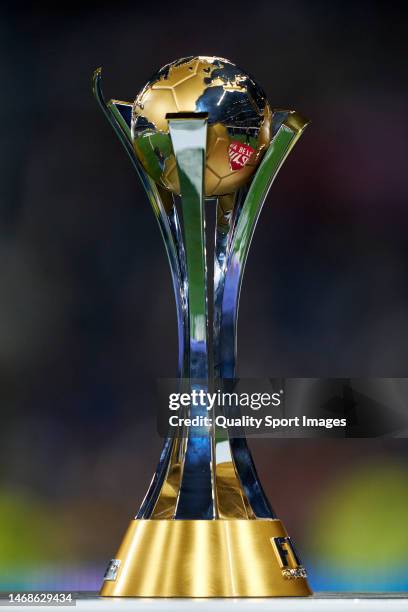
204,140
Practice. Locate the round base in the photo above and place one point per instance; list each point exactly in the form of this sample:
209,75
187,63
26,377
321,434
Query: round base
219,558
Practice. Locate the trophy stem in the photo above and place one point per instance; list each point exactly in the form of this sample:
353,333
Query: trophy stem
197,499
189,142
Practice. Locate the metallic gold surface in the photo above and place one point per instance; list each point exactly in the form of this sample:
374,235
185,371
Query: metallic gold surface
296,122
183,86
165,506
219,558
231,499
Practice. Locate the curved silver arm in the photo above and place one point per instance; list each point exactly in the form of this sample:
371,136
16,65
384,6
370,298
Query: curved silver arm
171,233
232,256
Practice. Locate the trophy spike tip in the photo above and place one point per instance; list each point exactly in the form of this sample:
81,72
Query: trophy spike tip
97,74
296,122
96,87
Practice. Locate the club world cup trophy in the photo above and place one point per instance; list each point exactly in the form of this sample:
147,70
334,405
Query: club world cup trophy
202,130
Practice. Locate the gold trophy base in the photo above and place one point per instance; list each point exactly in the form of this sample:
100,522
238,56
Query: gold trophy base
199,558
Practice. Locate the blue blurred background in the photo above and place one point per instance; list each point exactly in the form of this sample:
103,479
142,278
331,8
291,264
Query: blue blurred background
87,323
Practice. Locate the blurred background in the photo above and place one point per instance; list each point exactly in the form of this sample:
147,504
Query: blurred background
87,321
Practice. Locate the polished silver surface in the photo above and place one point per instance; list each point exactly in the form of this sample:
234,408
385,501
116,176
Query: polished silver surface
196,499
112,569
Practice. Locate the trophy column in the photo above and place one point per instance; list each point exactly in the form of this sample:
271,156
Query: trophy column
205,527
196,499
